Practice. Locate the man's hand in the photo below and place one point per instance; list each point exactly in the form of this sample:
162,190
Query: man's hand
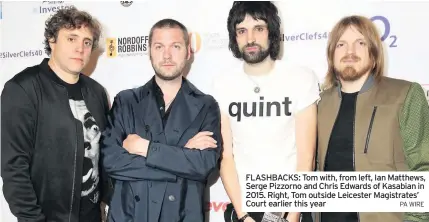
134,144
293,217
103,212
202,140
249,219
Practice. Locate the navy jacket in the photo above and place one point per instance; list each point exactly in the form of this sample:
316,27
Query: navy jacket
168,185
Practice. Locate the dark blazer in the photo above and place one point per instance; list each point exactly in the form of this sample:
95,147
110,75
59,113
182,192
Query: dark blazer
167,185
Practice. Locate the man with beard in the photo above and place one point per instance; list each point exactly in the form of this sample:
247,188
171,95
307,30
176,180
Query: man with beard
268,107
162,139
368,122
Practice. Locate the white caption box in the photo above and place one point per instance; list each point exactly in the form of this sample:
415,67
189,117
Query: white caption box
336,192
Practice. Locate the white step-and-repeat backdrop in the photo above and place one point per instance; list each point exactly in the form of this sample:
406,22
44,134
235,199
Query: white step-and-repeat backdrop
306,25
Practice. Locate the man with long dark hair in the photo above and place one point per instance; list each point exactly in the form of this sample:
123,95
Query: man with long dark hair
51,121
268,107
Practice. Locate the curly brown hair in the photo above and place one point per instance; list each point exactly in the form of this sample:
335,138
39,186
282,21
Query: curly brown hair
70,18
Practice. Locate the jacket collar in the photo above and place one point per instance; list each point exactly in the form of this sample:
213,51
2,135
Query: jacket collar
46,70
369,82
187,88
185,108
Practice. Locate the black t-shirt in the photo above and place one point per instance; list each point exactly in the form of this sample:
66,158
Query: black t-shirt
90,188
339,156
159,97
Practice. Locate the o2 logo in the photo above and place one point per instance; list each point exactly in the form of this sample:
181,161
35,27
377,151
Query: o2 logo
386,37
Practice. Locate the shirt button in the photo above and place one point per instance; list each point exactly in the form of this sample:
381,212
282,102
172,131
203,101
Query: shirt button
137,198
171,198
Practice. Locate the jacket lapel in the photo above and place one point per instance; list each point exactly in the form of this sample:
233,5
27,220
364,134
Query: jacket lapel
183,112
151,116
326,120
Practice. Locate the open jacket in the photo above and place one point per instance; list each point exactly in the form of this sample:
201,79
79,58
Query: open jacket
169,183
42,145
391,132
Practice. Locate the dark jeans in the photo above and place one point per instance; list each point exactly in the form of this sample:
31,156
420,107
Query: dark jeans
231,216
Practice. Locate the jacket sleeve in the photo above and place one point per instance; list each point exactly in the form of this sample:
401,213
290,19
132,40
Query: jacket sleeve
192,164
414,125
107,183
18,119
117,161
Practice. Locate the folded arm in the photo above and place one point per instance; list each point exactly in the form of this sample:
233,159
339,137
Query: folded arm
194,164
18,118
118,162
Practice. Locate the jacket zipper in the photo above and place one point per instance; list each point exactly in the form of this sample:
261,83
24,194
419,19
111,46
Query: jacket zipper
74,168
370,129
354,153
74,179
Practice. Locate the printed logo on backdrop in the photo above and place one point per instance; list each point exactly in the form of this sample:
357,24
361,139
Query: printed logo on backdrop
304,36
1,16
21,54
207,41
195,41
49,7
126,3
127,46
380,21
123,46
216,206
387,37
138,45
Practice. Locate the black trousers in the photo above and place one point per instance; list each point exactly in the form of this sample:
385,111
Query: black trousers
231,216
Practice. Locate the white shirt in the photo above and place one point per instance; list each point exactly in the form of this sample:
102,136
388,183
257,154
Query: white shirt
263,124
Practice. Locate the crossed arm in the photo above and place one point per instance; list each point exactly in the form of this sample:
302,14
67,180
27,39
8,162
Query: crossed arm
126,157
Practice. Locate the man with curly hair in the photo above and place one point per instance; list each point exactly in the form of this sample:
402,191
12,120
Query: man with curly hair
52,117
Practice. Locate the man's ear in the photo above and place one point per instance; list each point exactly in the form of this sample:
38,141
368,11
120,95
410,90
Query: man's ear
52,43
189,49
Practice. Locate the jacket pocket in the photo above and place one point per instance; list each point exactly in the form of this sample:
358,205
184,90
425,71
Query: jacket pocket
368,135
